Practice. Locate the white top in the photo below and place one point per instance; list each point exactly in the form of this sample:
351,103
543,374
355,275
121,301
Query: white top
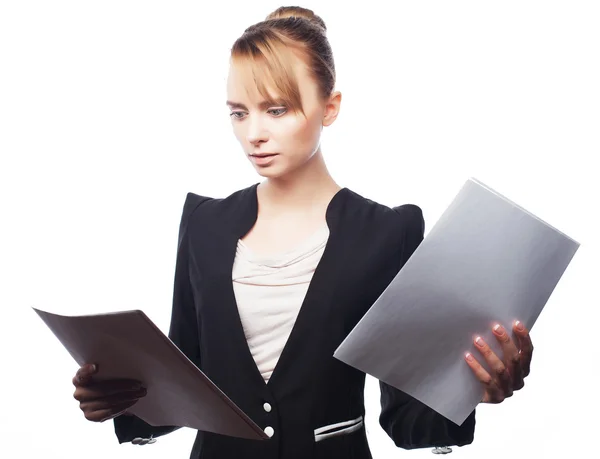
269,292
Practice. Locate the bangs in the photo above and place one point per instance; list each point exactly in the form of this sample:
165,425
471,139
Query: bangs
269,64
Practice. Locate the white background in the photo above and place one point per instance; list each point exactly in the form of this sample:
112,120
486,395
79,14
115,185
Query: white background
110,112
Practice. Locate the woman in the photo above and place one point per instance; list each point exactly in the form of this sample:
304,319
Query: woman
271,279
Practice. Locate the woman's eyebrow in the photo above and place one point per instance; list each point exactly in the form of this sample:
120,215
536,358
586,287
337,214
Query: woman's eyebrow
264,104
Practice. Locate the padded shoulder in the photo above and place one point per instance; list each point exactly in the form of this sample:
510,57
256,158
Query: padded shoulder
413,225
192,201
412,215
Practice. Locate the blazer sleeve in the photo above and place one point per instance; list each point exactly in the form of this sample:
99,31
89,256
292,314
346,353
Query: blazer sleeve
408,422
183,329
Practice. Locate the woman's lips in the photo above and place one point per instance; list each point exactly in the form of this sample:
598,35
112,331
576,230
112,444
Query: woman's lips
263,159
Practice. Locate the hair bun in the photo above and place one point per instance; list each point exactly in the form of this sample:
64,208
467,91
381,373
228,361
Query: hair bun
298,12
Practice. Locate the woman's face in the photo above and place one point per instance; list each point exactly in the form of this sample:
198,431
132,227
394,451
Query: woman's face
289,139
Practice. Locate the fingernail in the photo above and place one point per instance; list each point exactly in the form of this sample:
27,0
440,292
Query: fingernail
92,367
479,341
469,356
520,325
497,328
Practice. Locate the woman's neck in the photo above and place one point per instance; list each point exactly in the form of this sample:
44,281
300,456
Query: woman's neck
311,185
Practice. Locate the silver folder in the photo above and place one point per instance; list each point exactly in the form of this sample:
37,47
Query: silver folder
486,260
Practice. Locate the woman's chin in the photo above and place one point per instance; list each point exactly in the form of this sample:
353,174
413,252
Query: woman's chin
269,172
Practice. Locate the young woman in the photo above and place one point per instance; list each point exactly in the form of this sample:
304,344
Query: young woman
271,279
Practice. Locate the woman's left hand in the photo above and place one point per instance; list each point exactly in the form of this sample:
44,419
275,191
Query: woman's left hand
507,373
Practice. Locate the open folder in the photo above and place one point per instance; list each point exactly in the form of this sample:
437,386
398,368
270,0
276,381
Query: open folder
485,260
129,345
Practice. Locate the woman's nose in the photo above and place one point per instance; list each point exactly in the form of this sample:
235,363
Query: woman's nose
256,130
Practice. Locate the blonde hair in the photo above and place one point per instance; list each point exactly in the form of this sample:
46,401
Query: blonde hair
267,51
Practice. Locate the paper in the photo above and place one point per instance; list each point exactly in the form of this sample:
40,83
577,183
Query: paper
128,345
485,260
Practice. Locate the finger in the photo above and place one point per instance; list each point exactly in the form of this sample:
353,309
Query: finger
84,374
525,346
492,392
500,372
511,359
104,389
108,413
111,401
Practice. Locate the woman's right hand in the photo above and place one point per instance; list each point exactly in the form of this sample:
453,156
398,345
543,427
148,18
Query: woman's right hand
103,400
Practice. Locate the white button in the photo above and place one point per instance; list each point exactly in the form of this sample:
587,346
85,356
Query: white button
269,431
267,407
143,441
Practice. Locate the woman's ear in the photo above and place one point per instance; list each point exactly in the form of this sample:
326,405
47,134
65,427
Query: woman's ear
332,108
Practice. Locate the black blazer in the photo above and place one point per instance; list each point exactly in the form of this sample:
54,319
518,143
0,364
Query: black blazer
310,392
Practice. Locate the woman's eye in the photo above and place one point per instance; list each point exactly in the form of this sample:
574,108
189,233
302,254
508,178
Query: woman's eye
275,111
282,110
